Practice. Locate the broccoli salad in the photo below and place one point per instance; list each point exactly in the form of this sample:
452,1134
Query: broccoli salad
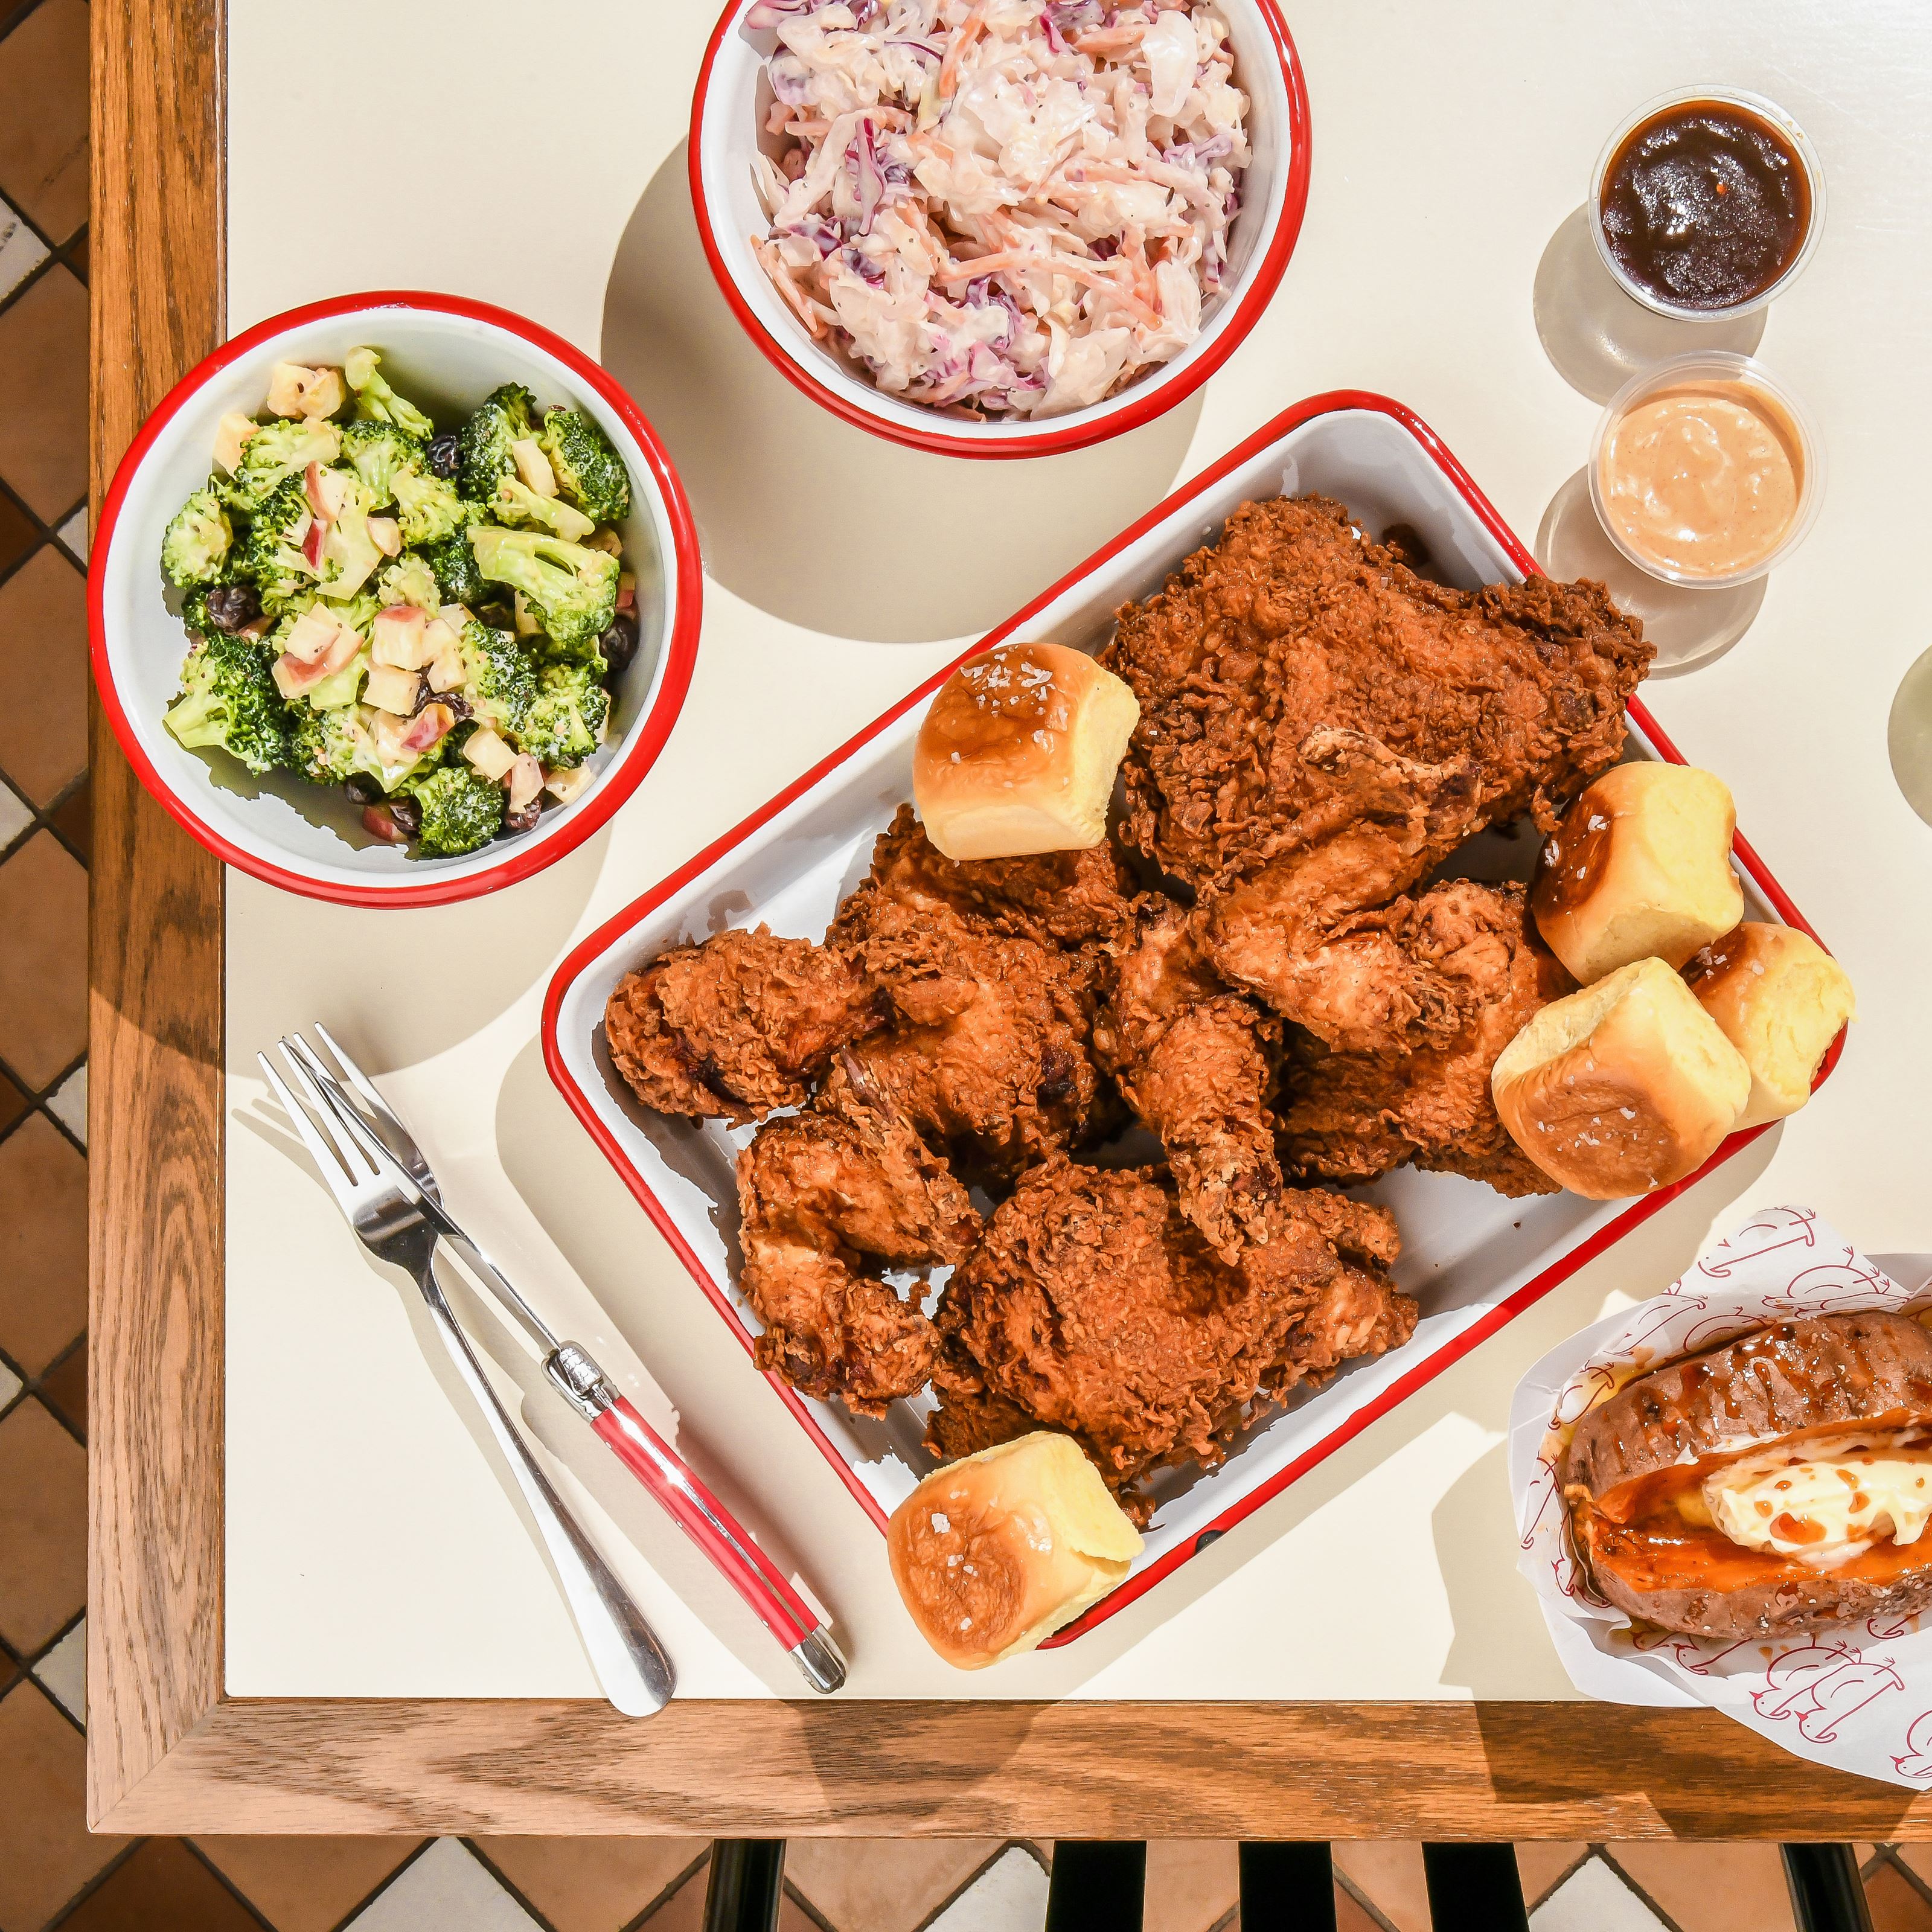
429,620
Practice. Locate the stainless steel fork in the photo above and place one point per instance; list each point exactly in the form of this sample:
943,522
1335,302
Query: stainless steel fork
629,1662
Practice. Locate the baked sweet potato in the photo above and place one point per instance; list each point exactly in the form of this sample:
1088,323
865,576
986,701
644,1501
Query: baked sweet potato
1634,1474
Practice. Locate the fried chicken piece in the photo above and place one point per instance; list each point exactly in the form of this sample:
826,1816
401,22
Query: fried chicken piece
1304,933
1057,898
1351,1117
987,1054
1295,620
826,1198
736,1026
1093,1305
1196,1063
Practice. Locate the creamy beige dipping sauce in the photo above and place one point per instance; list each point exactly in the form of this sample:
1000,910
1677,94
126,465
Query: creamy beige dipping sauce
1704,480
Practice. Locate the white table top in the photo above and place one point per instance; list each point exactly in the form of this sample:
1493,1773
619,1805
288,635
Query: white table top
373,1548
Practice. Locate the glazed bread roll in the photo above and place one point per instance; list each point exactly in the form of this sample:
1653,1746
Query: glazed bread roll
1018,751
995,1551
1624,1087
1780,998
1640,869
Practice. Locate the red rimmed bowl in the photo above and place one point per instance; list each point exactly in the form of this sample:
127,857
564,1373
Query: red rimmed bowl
725,120
447,354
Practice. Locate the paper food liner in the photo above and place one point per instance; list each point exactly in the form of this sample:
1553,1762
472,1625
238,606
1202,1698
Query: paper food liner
1857,1696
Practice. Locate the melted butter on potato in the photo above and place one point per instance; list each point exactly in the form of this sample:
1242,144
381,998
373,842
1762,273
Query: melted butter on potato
1824,1507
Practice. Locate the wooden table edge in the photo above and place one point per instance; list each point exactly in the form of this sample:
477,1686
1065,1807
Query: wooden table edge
169,1751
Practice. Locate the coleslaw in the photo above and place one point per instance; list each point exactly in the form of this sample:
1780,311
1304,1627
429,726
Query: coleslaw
1000,207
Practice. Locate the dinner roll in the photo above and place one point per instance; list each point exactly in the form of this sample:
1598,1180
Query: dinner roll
1780,999
1640,869
995,1551
1625,1086
1018,751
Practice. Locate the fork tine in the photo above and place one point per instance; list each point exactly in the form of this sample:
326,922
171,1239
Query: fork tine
357,1163
347,1068
322,1150
386,1163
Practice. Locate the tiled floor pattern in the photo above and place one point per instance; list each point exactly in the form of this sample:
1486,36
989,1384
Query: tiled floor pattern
52,1871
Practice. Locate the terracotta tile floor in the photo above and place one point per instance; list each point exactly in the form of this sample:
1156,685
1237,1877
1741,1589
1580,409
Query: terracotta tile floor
52,1871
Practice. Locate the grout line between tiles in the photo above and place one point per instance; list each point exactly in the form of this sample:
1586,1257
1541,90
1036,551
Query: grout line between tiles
1607,1853
12,17
482,1857
362,1904
959,1891
227,1883
670,1891
1563,1877
808,1911
95,1884
37,1099
1910,1876
1381,1919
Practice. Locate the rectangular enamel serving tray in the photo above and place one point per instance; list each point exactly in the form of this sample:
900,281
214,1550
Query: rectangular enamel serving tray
1472,1258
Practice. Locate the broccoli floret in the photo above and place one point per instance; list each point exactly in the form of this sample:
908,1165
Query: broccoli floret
516,503
270,456
377,402
589,472
454,563
375,450
499,683
461,810
564,725
572,589
228,699
271,558
328,746
409,580
483,457
430,509
194,545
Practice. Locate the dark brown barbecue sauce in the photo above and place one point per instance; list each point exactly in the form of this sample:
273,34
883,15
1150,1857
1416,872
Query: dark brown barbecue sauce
1705,205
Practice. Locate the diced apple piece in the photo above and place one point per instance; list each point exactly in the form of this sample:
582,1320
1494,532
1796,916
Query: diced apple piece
627,591
390,687
527,625
456,616
386,534
488,753
312,540
380,822
605,540
429,725
293,675
397,637
324,393
524,780
230,433
314,631
386,733
444,660
327,490
288,382
565,786
533,465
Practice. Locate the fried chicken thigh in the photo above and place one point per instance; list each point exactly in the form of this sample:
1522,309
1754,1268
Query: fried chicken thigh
1351,1117
1092,1304
730,1029
1298,620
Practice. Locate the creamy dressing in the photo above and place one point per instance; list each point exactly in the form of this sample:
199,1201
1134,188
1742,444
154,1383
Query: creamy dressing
1705,480
1826,1507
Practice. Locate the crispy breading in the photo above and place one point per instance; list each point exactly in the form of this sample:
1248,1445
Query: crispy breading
733,1028
1296,620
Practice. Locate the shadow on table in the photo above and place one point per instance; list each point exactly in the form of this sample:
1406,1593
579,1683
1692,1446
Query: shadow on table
826,526
1596,337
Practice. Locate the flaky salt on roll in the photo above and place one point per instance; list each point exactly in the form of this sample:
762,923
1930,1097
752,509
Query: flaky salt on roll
1626,1086
1018,752
1780,999
994,1553
1640,869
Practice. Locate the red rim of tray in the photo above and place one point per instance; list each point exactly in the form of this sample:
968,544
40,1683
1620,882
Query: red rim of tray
1430,1365
1159,397
618,781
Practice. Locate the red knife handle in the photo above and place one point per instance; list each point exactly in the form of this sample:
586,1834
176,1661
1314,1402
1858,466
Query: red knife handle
707,1522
